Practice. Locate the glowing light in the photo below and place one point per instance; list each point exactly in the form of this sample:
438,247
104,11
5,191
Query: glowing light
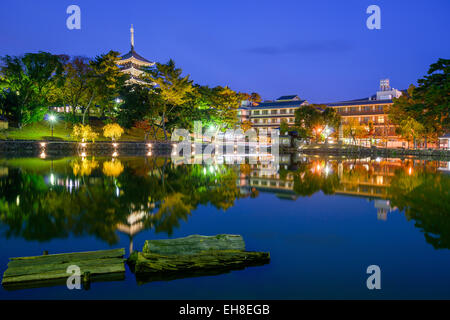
83,145
149,145
410,171
42,155
83,154
43,144
52,179
115,145
149,154
52,118
18,200
115,154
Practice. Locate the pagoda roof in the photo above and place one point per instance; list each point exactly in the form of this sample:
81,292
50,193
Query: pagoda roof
133,54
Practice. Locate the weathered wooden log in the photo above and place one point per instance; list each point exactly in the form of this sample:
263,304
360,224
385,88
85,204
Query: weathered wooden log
192,256
53,267
206,260
194,244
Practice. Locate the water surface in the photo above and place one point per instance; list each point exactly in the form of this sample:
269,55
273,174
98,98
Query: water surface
324,221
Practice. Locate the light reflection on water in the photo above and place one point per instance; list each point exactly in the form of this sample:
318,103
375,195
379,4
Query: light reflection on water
120,202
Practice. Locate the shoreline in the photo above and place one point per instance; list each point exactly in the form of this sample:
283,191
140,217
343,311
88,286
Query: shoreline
138,148
374,152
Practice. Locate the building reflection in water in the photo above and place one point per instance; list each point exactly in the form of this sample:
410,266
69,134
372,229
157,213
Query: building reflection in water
102,196
368,177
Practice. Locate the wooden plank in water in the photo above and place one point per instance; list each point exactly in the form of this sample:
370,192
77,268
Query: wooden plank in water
54,267
206,260
194,244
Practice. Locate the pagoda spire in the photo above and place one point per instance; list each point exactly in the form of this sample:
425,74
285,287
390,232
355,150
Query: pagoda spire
132,37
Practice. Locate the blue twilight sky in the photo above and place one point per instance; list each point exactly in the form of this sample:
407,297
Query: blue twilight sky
320,50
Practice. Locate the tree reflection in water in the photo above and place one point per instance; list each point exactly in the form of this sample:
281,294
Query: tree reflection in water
97,197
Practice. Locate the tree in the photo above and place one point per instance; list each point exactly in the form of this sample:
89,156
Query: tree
104,83
172,87
27,82
84,133
411,130
246,125
71,87
284,127
432,99
310,119
429,103
405,119
353,129
113,131
255,98
332,121
226,102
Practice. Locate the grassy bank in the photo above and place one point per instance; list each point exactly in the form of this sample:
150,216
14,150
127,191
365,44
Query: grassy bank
61,131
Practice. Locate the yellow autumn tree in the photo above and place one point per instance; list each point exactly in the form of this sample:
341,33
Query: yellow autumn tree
112,131
84,133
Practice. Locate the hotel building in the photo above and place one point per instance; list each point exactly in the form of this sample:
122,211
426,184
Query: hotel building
269,114
375,110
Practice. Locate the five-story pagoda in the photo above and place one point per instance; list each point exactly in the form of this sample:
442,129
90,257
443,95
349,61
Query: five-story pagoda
132,62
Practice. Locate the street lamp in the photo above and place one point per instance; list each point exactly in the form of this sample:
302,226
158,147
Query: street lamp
52,120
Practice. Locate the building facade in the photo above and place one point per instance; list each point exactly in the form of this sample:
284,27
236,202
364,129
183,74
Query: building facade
269,114
372,111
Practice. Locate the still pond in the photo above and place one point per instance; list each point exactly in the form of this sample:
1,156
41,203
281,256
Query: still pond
323,220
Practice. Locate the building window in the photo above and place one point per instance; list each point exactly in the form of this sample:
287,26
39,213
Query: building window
255,112
265,112
274,112
380,119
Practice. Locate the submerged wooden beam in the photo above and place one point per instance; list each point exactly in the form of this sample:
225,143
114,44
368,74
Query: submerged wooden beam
194,255
207,260
53,267
194,244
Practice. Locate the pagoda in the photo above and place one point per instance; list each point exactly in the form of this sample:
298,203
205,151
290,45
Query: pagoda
132,63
